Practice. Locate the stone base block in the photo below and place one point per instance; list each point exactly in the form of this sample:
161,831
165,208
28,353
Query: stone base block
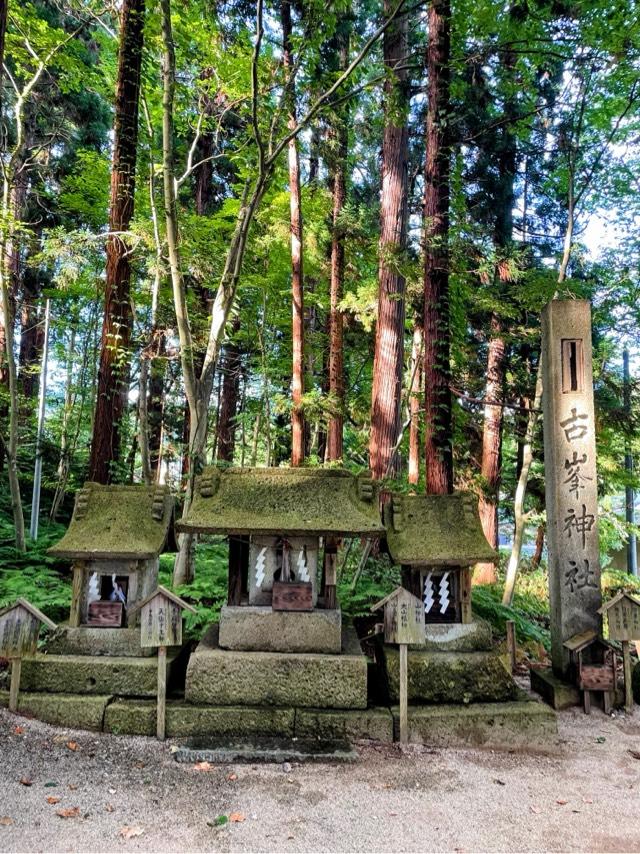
221,677
552,689
254,628
458,637
88,640
522,724
138,717
450,677
67,710
93,674
374,724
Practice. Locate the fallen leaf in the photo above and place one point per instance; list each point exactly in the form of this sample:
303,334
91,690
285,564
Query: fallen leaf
561,801
291,836
393,813
52,800
600,739
139,764
130,832
5,821
218,822
232,778
203,766
72,787
109,807
587,800
500,782
535,810
635,754
236,817
25,781
72,745
18,730
50,785
69,812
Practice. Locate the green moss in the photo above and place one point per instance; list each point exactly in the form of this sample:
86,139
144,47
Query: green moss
284,501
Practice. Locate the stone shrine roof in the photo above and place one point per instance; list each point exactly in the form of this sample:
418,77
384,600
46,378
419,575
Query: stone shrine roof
274,501
436,530
117,522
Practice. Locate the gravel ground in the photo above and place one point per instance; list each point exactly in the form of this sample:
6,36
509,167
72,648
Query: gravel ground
128,794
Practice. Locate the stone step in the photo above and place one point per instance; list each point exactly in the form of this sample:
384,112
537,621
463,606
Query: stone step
221,677
523,724
88,640
255,628
94,674
78,711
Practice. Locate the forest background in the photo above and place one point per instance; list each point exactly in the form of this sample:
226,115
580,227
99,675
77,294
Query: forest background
293,232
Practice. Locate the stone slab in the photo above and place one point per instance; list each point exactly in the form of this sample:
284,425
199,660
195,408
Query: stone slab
87,640
553,690
375,724
255,628
94,674
138,717
458,637
67,710
275,750
450,677
520,723
221,677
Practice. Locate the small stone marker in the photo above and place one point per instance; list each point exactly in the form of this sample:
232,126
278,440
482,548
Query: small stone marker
570,476
19,630
623,615
404,624
161,626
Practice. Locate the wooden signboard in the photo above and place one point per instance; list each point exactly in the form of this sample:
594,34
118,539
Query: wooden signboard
623,617
161,626
404,624
19,628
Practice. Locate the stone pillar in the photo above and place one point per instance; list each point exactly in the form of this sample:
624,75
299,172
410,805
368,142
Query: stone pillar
570,474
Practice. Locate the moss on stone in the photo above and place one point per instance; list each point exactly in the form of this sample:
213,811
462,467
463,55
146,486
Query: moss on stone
67,710
375,724
436,530
450,677
283,500
117,522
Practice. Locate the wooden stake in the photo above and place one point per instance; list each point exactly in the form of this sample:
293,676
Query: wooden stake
626,662
511,643
16,668
162,691
404,722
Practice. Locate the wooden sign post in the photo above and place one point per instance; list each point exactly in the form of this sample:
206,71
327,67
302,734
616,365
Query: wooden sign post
19,630
623,615
161,626
403,624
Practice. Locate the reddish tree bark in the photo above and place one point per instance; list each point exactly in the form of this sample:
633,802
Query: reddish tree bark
437,395
414,403
113,372
335,426
297,281
388,360
231,368
31,334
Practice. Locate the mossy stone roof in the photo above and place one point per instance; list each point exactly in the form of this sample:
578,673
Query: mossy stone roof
294,501
117,522
436,530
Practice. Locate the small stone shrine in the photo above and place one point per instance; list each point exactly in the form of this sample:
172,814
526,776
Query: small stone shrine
282,621
436,539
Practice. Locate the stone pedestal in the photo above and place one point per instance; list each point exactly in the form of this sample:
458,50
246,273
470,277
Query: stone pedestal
249,628
570,475
85,640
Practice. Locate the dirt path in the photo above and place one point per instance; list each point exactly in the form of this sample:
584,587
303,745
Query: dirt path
584,798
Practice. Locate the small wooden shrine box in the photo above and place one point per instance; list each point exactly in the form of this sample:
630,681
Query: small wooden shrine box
436,539
19,629
114,540
161,618
593,666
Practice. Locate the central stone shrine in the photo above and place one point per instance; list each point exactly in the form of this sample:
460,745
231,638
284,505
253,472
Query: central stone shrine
281,641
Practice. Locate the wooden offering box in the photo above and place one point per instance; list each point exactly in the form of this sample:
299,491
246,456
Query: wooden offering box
105,614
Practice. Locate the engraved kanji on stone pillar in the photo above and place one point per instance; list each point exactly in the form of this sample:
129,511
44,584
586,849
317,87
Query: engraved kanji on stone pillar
570,474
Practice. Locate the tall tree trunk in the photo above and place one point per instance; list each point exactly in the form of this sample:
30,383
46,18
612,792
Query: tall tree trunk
31,333
388,360
231,368
414,402
334,446
437,394
297,276
113,374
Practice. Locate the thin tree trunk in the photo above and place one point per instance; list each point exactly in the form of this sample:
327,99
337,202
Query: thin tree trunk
414,402
297,275
388,360
537,553
113,374
437,395
335,427
63,462
226,424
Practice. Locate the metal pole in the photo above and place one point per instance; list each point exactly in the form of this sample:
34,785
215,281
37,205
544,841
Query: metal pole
37,472
632,548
